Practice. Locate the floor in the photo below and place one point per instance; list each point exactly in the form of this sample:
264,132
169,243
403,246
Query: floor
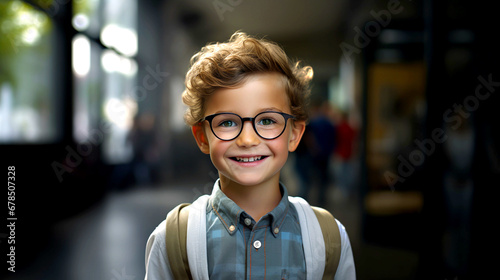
108,240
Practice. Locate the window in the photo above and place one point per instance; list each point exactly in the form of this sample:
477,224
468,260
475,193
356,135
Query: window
105,73
28,110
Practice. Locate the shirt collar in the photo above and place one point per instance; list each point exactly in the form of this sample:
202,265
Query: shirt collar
229,212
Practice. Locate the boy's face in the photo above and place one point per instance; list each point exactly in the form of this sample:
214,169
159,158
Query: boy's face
260,92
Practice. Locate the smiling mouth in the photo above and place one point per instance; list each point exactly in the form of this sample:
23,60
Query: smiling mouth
248,159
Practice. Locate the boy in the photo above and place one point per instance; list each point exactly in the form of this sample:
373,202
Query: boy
247,110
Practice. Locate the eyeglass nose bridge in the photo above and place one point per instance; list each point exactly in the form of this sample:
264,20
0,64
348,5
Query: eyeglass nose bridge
243,120
252,121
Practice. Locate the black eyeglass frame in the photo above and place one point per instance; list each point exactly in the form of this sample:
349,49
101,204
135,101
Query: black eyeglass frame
209,118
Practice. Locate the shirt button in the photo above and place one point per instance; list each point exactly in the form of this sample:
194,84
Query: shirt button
248,221
276,230
257,244
232,228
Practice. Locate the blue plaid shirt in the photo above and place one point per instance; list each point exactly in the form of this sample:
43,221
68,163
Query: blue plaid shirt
238,247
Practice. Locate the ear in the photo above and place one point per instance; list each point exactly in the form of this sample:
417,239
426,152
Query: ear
297,131
200,137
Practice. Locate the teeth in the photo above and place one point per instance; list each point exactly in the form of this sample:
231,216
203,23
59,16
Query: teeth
246,159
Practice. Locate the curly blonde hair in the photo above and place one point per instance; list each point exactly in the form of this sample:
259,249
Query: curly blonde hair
226,65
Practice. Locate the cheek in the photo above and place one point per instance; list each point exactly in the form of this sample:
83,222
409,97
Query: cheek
279,147
217,150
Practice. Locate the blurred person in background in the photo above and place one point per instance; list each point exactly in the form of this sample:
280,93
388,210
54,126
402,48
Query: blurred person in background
344,159
143,137
315,154
458,193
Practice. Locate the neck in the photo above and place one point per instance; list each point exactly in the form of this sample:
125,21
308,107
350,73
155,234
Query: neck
256,200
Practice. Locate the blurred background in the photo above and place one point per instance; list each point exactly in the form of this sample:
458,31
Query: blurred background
403,145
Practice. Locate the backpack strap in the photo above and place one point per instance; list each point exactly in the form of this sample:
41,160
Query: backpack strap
176,233
331,235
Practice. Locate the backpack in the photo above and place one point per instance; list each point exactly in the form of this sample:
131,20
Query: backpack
176,235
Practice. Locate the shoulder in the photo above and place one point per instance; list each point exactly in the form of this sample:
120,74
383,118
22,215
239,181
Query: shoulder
345,268
327,217
158,234
157,265
321,214
157,238
342,230
157,262
155,245
308,213
329,223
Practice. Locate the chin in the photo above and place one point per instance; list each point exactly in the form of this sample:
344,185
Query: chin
247,181
251,180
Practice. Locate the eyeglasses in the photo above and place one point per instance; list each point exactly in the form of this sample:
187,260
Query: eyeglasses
228,126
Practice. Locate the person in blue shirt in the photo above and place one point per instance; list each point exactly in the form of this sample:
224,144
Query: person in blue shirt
247,110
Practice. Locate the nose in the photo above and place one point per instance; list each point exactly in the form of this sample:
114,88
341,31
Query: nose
248,137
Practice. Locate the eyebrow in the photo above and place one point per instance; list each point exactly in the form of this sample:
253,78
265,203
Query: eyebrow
273,109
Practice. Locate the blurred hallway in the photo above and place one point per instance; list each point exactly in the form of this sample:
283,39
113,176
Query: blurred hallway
108,240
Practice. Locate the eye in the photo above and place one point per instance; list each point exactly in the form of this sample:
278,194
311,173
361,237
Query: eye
227,123
266,121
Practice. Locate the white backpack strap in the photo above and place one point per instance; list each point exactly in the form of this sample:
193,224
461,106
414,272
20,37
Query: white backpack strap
312,238
196,239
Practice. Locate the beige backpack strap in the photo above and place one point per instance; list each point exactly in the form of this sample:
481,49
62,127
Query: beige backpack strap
176,233
331,235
